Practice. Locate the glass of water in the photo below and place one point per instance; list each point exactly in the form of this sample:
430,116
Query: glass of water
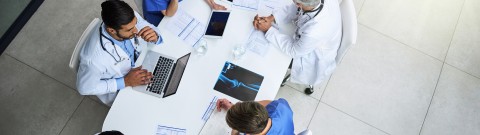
238,51
201,47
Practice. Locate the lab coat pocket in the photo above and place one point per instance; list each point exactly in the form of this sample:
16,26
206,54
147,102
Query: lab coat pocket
121,68
108,74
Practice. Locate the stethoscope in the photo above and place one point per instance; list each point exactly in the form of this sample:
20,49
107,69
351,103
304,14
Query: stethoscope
120,59
318,10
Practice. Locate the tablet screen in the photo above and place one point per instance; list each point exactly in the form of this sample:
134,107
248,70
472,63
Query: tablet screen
217,23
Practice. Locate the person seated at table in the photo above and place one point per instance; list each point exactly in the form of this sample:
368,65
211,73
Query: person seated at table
315,42
214,5
107,60
155,10
263,117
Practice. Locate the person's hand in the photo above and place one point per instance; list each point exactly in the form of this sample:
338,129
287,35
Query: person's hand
216,6
148,34
137,76
263,23
223,104
270,18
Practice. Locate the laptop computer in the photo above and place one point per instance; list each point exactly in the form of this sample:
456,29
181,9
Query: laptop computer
167,73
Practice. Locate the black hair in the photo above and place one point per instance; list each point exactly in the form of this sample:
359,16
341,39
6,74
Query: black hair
113,132
116,13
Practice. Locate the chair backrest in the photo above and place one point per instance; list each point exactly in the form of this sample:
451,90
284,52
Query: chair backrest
139,4
349,28
305,132
75,59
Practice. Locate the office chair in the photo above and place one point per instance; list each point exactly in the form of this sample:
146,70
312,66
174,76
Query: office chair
139,4
91,29
305,132
349,35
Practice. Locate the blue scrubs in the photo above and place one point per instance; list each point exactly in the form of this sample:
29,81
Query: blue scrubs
152,10
282,118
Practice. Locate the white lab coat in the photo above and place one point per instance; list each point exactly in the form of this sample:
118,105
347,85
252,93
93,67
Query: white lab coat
315,50
98,69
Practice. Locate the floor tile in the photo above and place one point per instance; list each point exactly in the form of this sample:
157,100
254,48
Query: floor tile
463,52
303,106
384,83
455,105
318,89
31,102
329,121
47,41
427,25
87,119
96,99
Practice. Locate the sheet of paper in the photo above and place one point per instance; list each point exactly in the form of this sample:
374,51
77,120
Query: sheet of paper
196,34
179,22
210,109
257,43
248,4
166,130
216,124
266,7
187,28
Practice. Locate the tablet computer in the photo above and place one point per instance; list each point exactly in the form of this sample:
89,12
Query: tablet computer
217,24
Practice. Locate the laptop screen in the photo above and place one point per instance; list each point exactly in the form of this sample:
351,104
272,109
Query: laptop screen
176,75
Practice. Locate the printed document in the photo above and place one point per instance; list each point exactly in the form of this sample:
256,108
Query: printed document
187,28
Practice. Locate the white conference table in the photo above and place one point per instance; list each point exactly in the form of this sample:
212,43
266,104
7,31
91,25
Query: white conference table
134,112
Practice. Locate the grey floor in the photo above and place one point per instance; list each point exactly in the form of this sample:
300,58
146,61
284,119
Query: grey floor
415,70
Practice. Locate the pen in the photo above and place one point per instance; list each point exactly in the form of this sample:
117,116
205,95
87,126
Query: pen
135,39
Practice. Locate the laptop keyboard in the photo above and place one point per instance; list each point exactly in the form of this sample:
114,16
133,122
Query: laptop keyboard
160,75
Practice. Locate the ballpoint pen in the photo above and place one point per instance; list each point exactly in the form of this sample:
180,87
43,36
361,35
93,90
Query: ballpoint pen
136,39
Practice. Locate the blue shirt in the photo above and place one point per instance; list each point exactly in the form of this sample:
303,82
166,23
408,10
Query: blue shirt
282,118
156,5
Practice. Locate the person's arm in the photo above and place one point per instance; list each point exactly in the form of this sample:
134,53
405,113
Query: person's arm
285,14
214,5
89,81
171,9
288,45
142,23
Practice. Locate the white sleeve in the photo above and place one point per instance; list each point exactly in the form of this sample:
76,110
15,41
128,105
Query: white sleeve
89,80
293,48
285,14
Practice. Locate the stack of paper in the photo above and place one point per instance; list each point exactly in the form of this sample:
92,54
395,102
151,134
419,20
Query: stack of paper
257,43
216,124
165,130
248,4
266,7
186,27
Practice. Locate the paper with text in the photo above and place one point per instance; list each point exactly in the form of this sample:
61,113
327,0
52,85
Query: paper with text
257,43
187,28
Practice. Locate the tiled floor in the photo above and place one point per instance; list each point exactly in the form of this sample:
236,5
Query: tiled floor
414,70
